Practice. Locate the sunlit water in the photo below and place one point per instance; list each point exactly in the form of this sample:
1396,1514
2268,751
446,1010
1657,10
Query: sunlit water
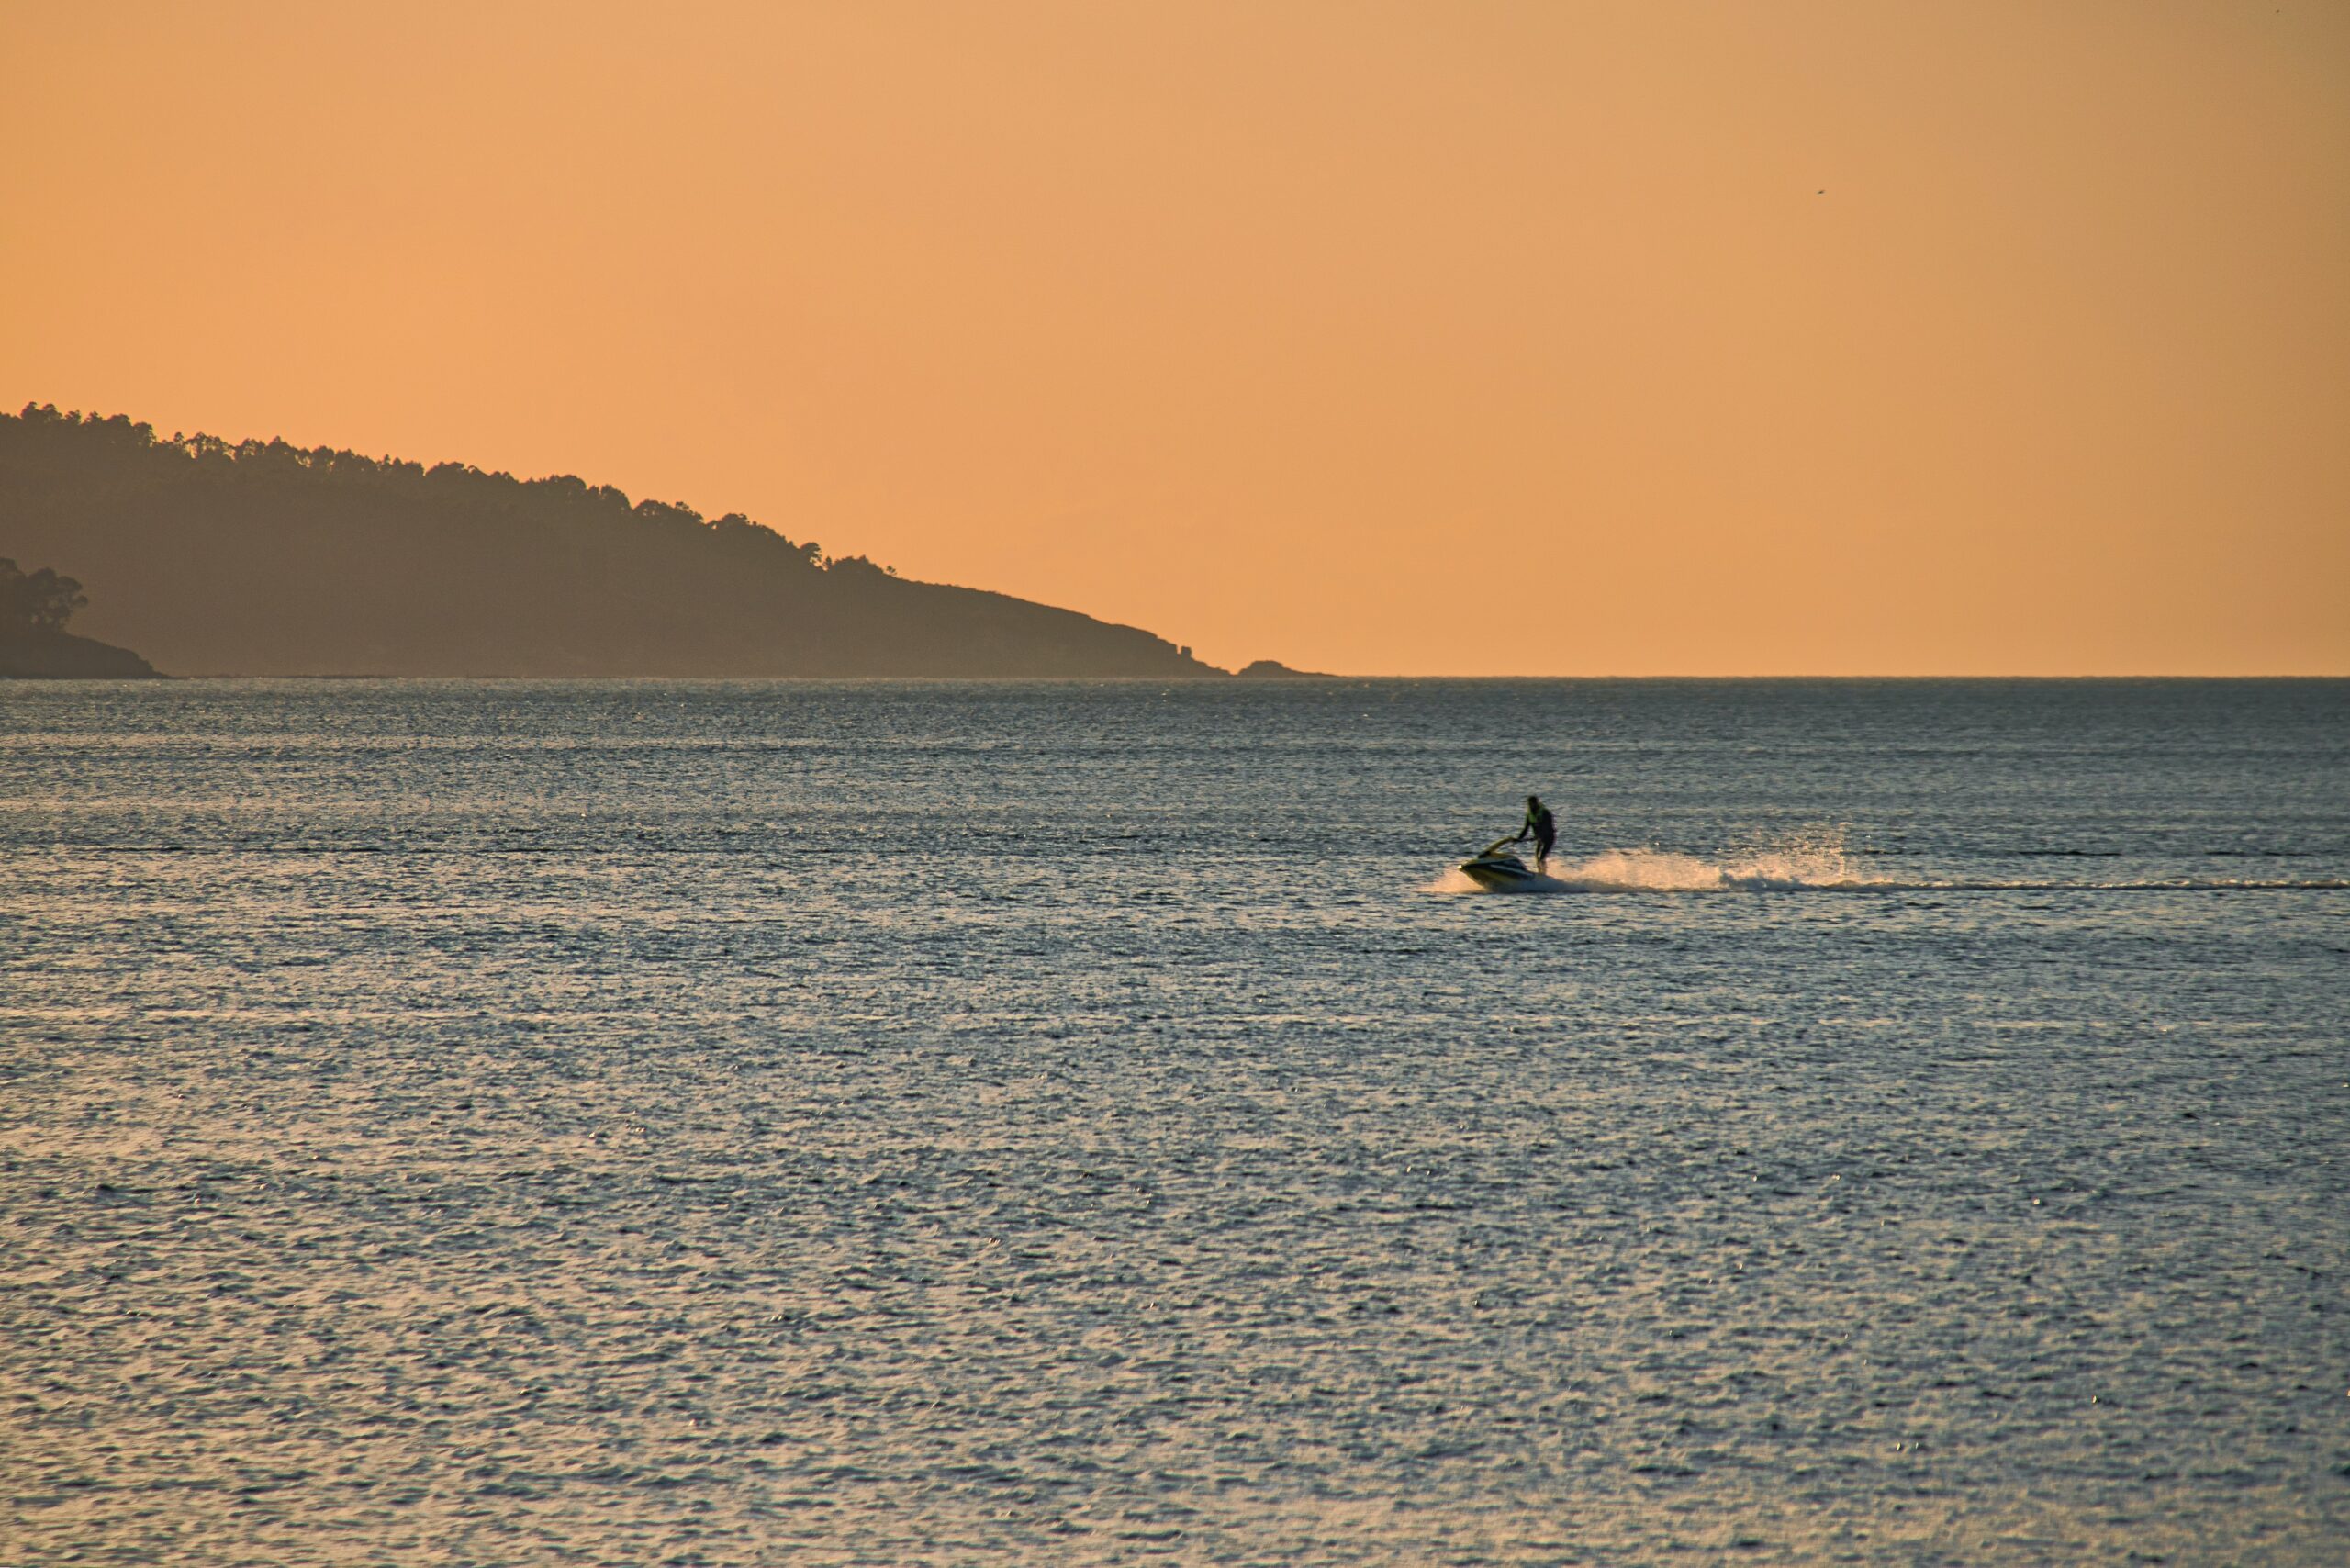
788,1124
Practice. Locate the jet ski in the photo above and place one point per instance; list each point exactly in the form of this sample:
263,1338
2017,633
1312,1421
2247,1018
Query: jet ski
1494,867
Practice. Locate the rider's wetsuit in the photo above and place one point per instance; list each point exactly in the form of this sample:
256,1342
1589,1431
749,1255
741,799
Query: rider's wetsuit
1541,828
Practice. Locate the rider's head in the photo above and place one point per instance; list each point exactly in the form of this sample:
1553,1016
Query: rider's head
1533,801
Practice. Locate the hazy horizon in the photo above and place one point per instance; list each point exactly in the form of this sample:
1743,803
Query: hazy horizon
1499,341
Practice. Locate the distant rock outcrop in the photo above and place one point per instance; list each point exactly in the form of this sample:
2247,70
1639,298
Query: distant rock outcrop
1273,669
263,558
64,656
34,645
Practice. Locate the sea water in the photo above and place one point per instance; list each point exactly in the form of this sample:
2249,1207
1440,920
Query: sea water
894,1123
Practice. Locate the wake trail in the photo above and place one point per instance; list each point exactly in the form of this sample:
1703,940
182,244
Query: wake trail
1819,867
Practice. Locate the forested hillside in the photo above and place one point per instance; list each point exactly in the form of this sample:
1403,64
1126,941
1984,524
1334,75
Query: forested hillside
262,558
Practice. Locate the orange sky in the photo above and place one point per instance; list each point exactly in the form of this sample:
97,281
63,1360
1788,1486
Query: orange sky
1422,339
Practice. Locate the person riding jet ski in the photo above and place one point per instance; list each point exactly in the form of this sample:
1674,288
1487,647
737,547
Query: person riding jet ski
1539,827
1492,867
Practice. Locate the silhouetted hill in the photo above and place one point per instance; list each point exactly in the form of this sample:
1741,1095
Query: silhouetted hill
35,607
65,656
262,558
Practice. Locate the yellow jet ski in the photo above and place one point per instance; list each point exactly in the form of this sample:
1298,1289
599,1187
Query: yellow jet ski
1494,867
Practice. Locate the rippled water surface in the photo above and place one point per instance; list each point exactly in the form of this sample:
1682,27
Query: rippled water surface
802,1124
